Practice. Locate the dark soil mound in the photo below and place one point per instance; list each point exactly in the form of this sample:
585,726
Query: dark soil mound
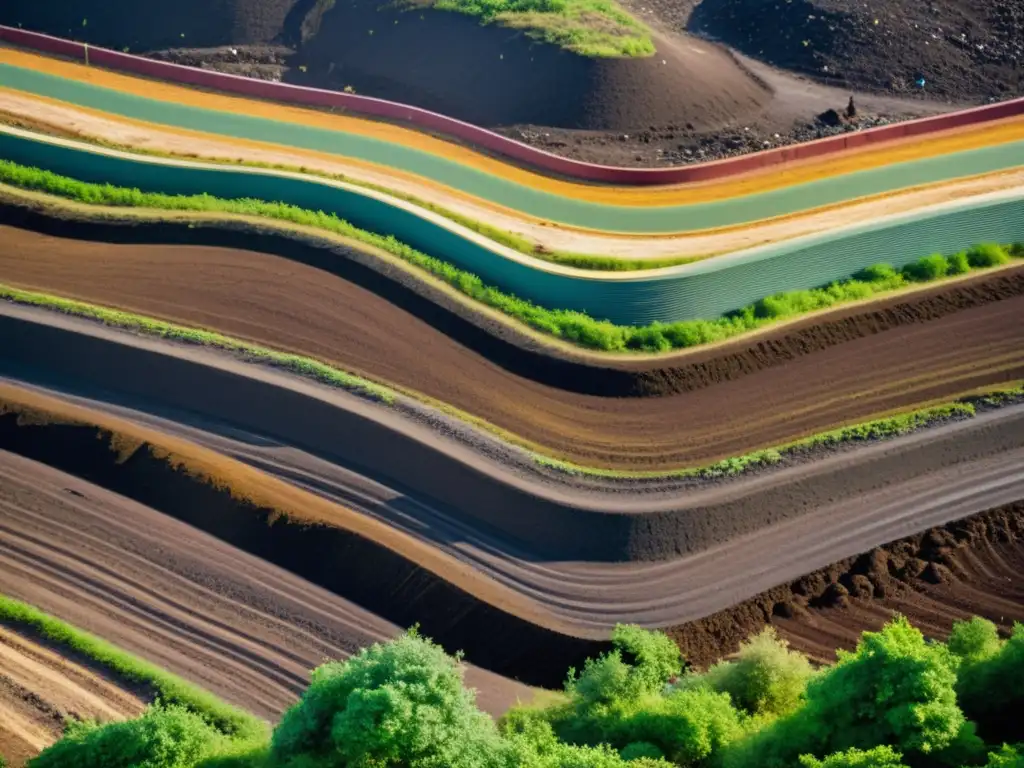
946,574
442,61
147,26
954,49
493,76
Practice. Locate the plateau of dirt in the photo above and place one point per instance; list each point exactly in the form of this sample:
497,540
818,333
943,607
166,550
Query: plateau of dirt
970,567
809,377
40,688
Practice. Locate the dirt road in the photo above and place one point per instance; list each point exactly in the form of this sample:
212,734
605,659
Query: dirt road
234,624
39,688
809,377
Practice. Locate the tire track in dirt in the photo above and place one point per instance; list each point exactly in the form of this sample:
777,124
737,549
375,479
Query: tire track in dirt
238,626
810,376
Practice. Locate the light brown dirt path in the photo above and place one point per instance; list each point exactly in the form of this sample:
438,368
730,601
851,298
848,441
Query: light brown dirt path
242,628
39,689
302,309
76,122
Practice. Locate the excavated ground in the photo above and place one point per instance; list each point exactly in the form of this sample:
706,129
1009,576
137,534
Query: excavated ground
810,376
970,567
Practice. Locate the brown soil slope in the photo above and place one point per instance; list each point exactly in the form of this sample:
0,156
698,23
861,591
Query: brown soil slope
720,408
236,625
39,689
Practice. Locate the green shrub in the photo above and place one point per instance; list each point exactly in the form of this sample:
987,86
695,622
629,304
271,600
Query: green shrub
975,640
896,689
640,663
164,737
927,269
1016,249
877,273
640,749
400,703
987,255
959,264
766,678
1006,757
991,689
879,757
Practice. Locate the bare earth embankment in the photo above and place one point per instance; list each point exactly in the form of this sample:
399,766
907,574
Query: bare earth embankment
39,688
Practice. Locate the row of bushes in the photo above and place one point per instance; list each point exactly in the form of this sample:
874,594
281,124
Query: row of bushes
575,327
897,701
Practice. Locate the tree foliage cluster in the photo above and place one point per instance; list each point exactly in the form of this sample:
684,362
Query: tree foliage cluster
897,701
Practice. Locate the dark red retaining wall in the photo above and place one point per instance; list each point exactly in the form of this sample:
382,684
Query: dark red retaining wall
494,142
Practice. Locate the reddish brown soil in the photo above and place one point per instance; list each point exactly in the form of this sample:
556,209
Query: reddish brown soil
236,625
968,568
927,351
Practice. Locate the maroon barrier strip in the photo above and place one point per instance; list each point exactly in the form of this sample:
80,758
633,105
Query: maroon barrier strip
365,105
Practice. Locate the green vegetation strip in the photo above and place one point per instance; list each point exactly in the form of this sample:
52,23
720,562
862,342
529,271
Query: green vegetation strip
897,700
170,689
879,429
868,431
503,237
594,28
570,326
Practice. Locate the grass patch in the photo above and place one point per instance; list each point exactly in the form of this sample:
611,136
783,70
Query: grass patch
574,327
171,689
303,366
594,28
879,429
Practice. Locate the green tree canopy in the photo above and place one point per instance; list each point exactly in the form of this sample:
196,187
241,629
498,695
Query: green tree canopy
879,757
400,703
163,737
767,678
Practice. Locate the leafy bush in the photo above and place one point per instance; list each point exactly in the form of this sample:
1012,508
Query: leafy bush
959,264
927,269
1006,757
766,678
639,663
396,704
987,255
879,757
164,737
895,689
639,749
975,640
991,689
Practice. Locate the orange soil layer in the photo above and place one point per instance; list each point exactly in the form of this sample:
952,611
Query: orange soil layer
900,151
